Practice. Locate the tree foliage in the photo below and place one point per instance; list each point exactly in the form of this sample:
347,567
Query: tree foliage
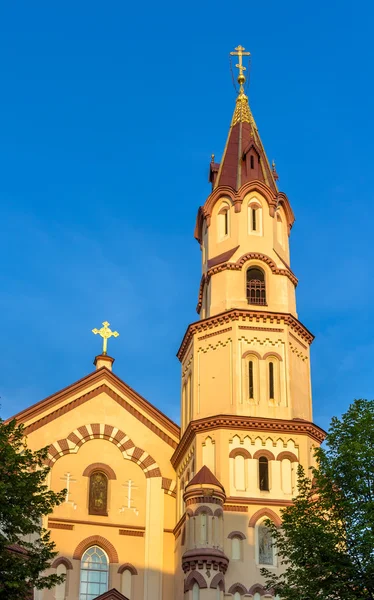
326,542
25,546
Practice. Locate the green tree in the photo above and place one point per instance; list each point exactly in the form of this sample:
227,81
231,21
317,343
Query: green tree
25,546
326,542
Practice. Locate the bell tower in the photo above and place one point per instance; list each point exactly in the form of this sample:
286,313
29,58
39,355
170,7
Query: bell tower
246,406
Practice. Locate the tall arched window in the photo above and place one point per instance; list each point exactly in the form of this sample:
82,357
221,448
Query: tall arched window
195,592
265,546
256,290
94,573
98,498
237,596
60,589
224,221
263,473
236,548
271,380
203,528
280,237
254,217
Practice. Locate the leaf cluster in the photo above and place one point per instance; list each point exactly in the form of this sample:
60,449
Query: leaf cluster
326,543
26,550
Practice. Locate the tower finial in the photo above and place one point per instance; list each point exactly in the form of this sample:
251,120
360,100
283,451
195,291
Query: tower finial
239,52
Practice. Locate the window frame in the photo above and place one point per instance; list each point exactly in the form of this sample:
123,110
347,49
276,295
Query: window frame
91,596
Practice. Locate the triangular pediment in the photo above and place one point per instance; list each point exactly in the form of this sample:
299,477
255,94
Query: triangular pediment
100,381
112,594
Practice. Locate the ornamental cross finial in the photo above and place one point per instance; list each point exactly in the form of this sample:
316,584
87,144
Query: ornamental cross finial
239,52
105,333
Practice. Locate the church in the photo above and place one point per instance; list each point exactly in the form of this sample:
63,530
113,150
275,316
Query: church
154,511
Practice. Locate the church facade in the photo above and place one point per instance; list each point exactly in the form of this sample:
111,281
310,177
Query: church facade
154,511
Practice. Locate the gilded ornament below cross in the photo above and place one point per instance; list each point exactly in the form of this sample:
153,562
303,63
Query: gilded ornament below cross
105,333
239,52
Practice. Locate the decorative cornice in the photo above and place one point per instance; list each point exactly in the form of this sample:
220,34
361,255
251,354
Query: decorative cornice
209,558
96,378
242,315
294,426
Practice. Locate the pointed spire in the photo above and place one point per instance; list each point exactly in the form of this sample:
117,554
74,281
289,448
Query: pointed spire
244,158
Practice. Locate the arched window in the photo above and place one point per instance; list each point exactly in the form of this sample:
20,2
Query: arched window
280,237
265,546
257,596
236,548
195,592
237,596
273,363
254,217
240,473
263,473
126,587
251,380
256,291
60,589
224,221
271,380
203,528
98,499
94,573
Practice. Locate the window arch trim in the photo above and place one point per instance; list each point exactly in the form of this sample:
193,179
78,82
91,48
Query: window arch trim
252,353
237,534
96,540
237,587
203,509
127,567
218,581
289,455
265,453
264,512
106,469
62,560
239,452
194,577
274,355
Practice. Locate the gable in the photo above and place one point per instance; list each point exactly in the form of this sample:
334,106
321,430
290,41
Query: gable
112,594
91,386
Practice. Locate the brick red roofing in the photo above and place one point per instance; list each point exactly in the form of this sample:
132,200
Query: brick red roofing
244,158
205,476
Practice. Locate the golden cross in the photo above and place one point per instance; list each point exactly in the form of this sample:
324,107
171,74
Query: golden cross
105,333
240,53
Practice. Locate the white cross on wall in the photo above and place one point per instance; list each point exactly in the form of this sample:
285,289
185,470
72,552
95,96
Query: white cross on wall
67,477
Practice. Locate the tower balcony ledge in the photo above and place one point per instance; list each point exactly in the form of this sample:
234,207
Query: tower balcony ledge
209,558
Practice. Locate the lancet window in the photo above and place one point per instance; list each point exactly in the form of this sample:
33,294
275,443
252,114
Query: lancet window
256,289
265,545
263,473
98,497
224,221
94,573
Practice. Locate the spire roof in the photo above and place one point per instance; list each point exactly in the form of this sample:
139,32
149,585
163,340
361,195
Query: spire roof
205,476
244,158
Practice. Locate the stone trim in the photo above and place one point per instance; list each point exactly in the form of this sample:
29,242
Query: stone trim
234,508
94,523
237,587
99,467
257,587
62,560
96,540
270,354
203,509
238,265
127,567
218,581
264,512
54,525
209,558
131,532
243,315
83,434
218,512
242,422
240,500
290,455
263,452
239,452
81,386
194,577
237,534
169,486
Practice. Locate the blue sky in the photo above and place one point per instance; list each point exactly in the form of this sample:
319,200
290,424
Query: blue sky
109,114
